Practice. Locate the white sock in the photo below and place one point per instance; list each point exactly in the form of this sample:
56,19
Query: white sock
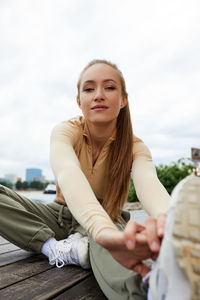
49,244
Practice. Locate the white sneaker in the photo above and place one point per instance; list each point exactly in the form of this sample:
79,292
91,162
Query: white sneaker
176,273
71,251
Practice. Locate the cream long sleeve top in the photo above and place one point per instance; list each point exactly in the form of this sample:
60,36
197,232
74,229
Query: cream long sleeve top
81,186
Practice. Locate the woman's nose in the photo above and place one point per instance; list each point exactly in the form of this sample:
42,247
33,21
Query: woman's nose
99,95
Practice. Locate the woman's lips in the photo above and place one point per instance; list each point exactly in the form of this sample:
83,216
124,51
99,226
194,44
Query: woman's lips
99,107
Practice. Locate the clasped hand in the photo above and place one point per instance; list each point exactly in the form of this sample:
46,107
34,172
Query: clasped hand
135,244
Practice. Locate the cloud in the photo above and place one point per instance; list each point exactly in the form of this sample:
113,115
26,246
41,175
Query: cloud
44,46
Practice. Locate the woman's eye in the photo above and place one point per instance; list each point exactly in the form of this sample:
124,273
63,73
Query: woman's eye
88,90
110,88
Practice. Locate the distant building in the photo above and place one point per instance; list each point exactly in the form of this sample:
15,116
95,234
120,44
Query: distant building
12,178
33,173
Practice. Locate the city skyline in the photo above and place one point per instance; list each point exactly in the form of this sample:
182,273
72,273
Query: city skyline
31,174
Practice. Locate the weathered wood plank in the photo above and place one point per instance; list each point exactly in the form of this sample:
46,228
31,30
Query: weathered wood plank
7,248
23,269
13,256
10,253
45,285
86,290
3,241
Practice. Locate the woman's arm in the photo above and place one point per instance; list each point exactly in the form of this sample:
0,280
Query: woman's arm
74,185
149,190
152,195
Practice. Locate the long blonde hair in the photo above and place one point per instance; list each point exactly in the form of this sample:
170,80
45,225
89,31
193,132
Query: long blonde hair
120,156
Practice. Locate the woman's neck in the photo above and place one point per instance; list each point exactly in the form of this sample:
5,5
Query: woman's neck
100,133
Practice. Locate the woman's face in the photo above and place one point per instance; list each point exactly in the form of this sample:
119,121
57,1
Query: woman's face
100,96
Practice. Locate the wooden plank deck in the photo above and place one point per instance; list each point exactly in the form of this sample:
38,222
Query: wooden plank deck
26,276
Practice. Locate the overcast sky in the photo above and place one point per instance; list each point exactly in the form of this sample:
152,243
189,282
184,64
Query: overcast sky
45,44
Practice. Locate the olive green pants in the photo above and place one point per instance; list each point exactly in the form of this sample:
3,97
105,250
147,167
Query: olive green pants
29,224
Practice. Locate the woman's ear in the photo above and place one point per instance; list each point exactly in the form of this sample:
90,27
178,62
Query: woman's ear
124,101
78,101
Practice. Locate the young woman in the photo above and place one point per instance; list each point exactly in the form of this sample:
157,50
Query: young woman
92,158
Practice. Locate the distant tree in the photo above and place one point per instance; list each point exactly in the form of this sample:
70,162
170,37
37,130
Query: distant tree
18,185
169,176
132,197
36,185
25,185
7,184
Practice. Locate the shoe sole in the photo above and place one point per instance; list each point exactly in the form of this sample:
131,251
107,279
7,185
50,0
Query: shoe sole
186,233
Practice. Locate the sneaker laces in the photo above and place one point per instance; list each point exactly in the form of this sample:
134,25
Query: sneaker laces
66,251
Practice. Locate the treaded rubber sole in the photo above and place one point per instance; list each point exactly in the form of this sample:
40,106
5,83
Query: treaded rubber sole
186,233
